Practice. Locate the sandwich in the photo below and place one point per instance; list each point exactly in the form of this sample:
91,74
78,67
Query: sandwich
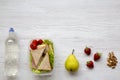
37,54
41,56
45,64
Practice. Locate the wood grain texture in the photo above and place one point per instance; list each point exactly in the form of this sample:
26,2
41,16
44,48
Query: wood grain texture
69,24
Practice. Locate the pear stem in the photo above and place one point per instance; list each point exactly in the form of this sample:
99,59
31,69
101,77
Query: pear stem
73,51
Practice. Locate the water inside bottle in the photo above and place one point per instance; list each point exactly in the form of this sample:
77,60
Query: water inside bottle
11,57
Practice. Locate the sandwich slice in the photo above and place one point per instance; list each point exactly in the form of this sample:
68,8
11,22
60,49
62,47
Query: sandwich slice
37,55
45,64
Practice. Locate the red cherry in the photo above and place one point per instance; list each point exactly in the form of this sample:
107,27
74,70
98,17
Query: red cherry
33,47
40,41
34,42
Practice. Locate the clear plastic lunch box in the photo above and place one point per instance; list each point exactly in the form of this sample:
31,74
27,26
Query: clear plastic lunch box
30,62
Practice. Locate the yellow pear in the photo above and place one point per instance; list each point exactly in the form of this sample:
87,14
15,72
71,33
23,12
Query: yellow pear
71,63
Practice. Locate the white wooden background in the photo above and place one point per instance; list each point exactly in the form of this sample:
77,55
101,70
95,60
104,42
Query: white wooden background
69,24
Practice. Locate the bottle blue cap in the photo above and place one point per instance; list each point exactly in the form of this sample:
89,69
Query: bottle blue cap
11,30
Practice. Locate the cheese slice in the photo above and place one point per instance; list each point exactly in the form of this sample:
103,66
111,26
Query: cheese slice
45,64
37,54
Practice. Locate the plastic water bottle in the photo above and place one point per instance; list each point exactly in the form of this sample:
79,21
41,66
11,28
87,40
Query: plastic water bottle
11,55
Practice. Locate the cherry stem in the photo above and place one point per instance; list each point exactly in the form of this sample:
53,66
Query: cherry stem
73,51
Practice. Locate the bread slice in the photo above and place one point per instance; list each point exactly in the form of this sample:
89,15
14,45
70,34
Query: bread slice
33,64
45,64
37,54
